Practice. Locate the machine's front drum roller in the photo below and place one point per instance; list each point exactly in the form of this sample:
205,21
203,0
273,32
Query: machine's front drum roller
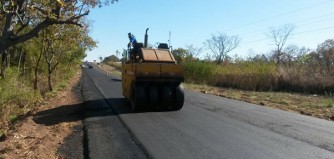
178,98
138,98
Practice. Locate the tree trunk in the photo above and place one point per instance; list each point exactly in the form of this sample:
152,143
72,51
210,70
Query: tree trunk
20,58
49,77
37,66
36,71
3,64
3,47
24,63
8,60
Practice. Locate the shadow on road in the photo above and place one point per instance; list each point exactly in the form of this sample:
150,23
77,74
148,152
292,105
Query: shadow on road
93,108
115,80
76,112
66,113
73,145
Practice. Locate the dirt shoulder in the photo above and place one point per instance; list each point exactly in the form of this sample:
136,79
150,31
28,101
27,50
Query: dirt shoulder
311,105
40,134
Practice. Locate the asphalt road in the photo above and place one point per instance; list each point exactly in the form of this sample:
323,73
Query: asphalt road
206,127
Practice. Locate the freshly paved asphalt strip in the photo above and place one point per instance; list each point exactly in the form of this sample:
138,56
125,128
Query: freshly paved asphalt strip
106,136
206,127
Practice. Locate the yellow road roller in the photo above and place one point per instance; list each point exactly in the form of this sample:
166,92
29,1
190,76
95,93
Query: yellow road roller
151,78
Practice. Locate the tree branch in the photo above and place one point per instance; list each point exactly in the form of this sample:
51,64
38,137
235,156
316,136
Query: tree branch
47,22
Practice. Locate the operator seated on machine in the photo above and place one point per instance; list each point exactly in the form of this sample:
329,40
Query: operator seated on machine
132,44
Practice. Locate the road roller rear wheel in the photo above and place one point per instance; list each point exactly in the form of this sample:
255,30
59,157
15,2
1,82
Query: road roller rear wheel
153,96
178,98
138,98
167,96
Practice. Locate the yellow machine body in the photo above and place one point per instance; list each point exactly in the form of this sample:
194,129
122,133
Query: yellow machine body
152,78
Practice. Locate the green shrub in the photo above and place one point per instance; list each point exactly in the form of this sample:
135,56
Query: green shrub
61,85
2,136
247,75
12,118
329,103
199,72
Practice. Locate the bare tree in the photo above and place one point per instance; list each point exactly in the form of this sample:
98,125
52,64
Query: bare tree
118,53
180,54
290,54
259,58
221,45
280,35
193,51
302,53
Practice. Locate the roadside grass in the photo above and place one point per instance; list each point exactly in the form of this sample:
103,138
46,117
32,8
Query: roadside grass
319,106
260,76
61,85
116,65
18,98
253,76
112,70
199,72
246,76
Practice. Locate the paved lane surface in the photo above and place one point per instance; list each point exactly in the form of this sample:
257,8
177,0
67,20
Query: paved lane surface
206,127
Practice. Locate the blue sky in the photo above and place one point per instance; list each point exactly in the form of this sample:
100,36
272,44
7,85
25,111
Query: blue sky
191,22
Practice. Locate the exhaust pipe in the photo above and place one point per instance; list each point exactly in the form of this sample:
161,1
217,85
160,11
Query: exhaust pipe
146,38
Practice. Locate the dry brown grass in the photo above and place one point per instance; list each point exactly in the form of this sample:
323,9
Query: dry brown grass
110,70
301,78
